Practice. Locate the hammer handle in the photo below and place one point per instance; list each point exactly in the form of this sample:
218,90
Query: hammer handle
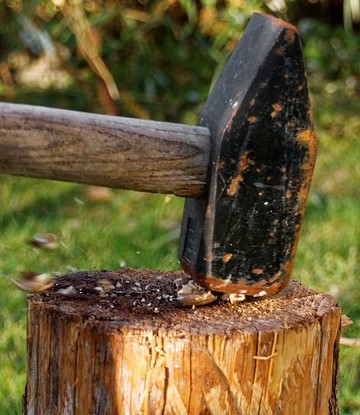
103,150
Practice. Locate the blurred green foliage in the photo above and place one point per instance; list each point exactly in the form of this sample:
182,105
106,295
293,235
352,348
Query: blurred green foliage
148,59
156,59
138,58
331,53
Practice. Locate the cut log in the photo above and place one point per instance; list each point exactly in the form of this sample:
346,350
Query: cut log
118,342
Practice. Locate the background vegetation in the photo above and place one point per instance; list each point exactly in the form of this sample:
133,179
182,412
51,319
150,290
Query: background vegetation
156,59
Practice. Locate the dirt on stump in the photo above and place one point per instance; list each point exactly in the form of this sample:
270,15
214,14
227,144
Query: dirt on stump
138,298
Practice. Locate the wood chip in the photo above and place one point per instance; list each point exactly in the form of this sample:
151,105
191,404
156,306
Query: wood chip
32,282
46,241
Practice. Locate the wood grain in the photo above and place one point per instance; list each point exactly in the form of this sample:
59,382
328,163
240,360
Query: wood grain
103,150
119,343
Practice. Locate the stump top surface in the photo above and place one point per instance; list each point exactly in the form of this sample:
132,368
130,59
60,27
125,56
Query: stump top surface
132,299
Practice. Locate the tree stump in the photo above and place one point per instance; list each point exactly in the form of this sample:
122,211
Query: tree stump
118,342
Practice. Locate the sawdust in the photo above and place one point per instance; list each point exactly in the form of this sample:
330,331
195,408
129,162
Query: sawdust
140,298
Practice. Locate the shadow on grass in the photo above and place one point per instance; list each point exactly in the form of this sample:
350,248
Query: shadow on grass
36,205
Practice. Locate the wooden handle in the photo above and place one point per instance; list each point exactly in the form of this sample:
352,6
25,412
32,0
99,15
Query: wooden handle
103,150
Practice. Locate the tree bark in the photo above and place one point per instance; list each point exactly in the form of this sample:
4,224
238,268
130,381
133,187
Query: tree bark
118,342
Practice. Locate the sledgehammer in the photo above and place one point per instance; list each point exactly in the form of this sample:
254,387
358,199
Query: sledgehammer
245,169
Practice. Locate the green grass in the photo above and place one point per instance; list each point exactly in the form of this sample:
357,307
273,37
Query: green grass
329,248
142,230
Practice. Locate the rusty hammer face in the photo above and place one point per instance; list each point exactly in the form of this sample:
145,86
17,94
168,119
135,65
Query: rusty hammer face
242,237
246,168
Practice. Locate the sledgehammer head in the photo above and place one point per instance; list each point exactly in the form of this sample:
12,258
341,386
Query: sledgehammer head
242,236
